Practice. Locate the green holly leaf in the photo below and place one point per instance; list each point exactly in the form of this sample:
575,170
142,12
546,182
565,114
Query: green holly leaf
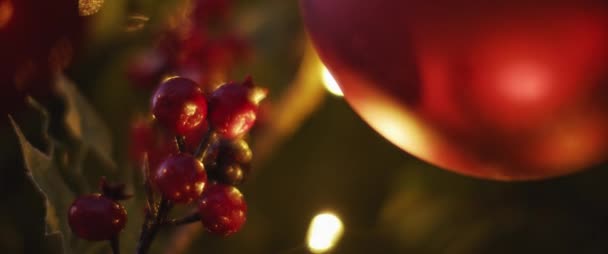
49,183
83,122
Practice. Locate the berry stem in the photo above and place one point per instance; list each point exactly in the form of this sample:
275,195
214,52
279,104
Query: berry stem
151,226
147,186
192,218
204,145
181,143
115,245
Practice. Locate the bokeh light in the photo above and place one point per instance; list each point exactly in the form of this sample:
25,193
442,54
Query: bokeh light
324,232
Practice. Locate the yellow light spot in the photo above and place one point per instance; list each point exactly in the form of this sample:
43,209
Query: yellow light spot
330,83
324,232
89,7
167,78
258,94
190,109
199,187
136,22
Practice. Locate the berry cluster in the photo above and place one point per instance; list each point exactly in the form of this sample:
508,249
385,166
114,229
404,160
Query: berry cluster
209,131
203,162
202,47
193,147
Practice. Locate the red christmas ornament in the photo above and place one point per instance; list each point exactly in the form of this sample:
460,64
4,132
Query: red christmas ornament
506,89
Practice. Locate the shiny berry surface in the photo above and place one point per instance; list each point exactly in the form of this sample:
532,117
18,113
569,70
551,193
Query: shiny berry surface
96,218
179,105
233,109
504,89
222,209
181,178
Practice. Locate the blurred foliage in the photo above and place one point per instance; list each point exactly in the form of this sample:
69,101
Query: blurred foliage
390,202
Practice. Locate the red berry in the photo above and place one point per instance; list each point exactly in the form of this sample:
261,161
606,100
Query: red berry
233,108
222,209
96,218
179,105
180,178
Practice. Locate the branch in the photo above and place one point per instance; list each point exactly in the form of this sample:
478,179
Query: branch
151,226
115,245
192,218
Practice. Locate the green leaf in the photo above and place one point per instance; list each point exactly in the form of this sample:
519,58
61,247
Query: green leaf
83,122
48,181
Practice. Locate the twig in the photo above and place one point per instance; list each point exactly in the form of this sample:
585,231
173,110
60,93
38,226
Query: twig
194,217
202,148
147,186
115,245
151,226
181,143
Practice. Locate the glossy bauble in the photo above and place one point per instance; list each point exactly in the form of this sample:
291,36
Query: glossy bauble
505,89
96,217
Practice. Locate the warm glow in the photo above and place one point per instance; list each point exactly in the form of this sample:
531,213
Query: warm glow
330,83
525,83
89,7
258,94
324,232
6,12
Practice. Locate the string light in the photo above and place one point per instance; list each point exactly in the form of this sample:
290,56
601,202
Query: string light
324,232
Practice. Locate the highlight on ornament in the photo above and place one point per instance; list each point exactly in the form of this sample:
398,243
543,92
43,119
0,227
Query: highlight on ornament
324,232
330,83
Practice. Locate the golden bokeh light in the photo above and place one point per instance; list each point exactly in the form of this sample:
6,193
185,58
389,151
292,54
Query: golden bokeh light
324,232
